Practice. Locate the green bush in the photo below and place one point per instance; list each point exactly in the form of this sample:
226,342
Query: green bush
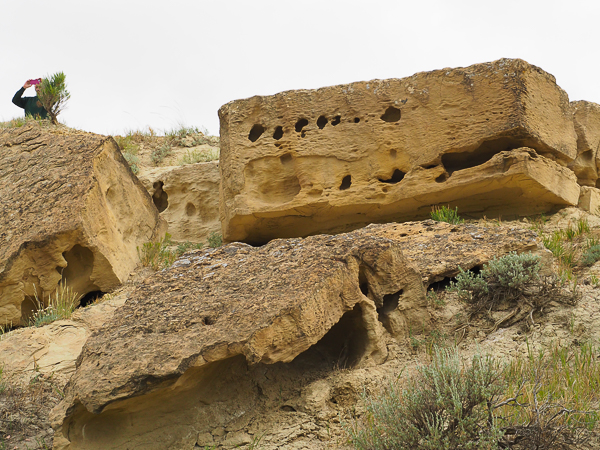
159,254
196,156
505,278
53,95
446,405
159,154
445,214
215,240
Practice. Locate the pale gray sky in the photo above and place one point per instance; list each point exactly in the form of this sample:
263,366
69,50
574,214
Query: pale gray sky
133,64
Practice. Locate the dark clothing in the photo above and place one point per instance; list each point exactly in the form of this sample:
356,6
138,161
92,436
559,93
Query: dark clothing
30,105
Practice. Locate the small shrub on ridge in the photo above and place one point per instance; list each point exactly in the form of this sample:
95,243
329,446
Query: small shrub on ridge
445,214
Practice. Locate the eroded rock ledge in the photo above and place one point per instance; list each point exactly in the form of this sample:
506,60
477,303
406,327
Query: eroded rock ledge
72,211
198,346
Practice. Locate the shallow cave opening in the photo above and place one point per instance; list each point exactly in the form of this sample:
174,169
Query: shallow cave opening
90,298
301,124
453,162
160,197
343,346
397,177
321,122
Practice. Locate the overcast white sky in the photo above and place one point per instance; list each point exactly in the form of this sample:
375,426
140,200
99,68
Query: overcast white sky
135,64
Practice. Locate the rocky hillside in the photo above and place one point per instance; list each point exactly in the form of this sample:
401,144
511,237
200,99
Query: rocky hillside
333,278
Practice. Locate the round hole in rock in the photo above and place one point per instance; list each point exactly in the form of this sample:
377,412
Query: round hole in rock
278,134
391,115
397,177
287,158
255,132
208,320
287,408
190,209
321,122
301,124
346,183
356,119
336,120
443,177
160,197
303,134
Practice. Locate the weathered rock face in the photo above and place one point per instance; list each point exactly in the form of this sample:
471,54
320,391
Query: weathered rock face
586,117
208,344
71,210
187,198
161,359
336,158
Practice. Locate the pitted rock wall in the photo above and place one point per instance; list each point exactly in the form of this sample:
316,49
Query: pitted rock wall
336,158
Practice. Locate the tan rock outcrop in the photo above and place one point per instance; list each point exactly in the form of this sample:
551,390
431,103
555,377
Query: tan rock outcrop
71,210
586,117
336,158
190,328
203,349
52,350
187,198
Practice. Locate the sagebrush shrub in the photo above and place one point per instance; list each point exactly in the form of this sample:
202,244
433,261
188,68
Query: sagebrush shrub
445,406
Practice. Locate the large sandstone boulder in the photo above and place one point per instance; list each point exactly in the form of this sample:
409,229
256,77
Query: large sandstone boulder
493,139
187,198
154,373
200,353
71,211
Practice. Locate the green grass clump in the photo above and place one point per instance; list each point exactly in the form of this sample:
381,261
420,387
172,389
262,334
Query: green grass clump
196,156
445,214
160,255
60,306
19,122
159,154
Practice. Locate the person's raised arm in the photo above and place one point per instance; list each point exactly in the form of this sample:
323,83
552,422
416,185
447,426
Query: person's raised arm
17,99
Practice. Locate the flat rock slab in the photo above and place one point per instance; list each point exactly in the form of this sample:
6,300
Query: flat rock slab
71,211
336,158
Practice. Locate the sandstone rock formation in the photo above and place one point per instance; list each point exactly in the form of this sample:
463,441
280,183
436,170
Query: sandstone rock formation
586,117
187,198
200,323
493,139
200,349
71,210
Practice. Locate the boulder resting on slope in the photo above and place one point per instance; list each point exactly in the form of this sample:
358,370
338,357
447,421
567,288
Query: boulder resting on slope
72,211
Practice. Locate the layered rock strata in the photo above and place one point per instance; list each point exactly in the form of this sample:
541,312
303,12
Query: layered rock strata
72,212
493,139
187,198
156,364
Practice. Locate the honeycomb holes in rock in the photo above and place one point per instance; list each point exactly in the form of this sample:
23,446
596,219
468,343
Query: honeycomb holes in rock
255,132
397,177
346,183
159,196
391,114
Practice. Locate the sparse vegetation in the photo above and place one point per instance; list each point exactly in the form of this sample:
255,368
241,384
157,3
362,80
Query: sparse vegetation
540,402
160,254
60,306
18,122
445,214
512,281
53,95
196,156
215,240
435,299
159,154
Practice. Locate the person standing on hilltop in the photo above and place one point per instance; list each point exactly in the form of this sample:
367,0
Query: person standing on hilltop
31,105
